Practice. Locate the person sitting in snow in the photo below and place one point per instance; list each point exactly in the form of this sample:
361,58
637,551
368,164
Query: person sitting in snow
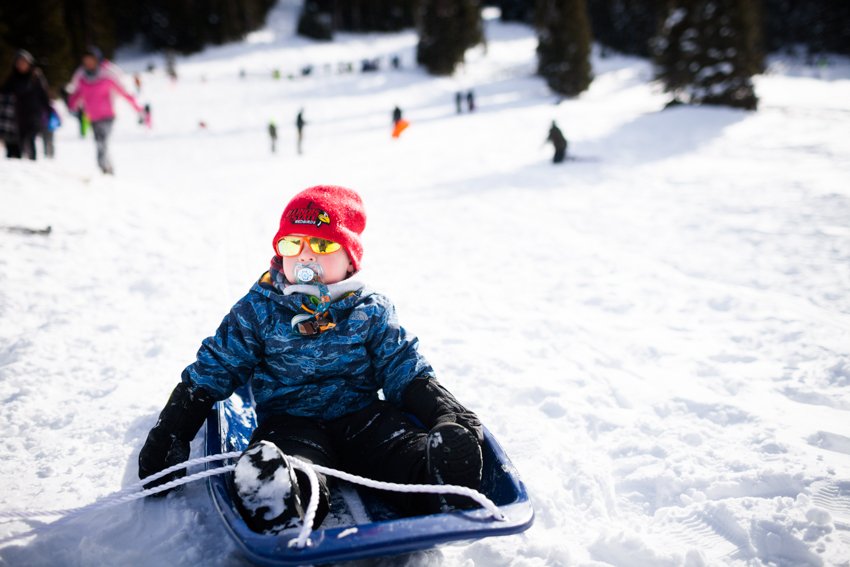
317,346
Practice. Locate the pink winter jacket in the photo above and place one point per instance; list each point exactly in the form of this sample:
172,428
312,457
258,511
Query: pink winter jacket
96,97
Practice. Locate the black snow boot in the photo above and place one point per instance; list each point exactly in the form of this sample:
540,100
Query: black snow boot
267,491
453,457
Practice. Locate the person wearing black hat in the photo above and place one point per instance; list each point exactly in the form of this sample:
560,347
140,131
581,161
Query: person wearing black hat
31,103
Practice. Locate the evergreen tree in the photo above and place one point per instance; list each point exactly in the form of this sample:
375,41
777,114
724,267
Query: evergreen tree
7,52
819,25
626,26
37,26
563,48
516,10
187,25
374,15
447,28
707,52
90,22
317,19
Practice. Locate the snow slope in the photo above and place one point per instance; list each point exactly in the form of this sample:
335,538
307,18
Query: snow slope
660,339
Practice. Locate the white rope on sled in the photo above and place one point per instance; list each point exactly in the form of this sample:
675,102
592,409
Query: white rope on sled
303,540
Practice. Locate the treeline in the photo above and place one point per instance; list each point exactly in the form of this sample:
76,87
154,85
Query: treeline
188,25
57,32
705,51
320,18
628,26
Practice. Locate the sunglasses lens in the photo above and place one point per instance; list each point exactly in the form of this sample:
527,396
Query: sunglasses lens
289,245
323,246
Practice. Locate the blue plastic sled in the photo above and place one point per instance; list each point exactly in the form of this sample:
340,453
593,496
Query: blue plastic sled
359,524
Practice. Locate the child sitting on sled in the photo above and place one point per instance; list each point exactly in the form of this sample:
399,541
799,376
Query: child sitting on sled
317,346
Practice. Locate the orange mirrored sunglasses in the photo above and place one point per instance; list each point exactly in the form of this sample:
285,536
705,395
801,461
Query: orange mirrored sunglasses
289,246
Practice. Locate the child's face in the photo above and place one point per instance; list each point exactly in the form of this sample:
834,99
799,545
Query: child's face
90,63
336,266
22,65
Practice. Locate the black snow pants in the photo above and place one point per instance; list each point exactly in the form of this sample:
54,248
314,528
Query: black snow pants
378,442
24,147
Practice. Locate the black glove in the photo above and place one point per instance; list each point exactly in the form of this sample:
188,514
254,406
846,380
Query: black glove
168,442
431,403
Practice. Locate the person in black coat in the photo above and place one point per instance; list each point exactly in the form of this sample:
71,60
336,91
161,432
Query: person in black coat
32,103
560,143
299,123
272,133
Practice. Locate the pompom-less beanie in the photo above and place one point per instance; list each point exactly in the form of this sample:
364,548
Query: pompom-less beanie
326,211
95,52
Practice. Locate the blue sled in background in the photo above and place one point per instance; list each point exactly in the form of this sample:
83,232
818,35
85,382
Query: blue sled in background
360,524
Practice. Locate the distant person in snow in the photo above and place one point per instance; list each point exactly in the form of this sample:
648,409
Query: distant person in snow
146,117
399,123
459,101
299,124
171,65
317,346
272,133
92,88
470,101
560,143
24,118
50,124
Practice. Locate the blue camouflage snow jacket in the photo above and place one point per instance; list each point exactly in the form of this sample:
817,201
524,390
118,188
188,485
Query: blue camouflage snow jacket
322,376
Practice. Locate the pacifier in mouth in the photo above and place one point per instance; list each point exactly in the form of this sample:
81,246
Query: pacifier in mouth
308,274
318,320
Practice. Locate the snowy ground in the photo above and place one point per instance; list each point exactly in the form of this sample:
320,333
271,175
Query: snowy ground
660,339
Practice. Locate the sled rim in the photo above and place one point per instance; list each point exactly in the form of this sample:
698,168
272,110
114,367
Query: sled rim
378,538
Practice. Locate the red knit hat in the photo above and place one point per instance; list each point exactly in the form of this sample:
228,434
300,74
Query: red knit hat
326,211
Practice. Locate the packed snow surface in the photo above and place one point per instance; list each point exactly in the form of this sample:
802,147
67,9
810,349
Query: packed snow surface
659,336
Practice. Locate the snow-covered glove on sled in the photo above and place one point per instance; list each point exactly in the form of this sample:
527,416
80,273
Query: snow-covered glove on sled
432,404
168,442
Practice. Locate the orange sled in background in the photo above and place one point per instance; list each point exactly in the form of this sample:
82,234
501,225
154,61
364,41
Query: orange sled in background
399,127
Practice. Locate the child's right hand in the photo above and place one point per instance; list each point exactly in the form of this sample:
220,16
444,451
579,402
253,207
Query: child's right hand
168,442
162,450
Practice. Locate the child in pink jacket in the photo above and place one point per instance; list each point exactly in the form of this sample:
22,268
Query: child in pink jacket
94,85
